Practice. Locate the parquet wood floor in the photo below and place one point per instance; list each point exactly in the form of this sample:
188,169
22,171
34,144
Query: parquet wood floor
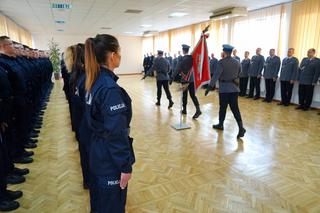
275,168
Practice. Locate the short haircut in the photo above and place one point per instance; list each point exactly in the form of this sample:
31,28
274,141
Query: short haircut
291,49
313,50
3,38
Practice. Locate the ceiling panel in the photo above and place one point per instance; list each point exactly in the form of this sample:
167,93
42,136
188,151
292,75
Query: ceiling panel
88,16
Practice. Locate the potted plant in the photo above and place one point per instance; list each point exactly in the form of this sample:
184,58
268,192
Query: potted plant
55,58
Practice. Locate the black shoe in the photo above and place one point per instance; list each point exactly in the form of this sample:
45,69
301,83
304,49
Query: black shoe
158,103
218,126
13,195
299,107
15,179
33,135
31,140
170,104
241,133
249,96
23,160
305,108
6,206
184,111
37,126
35,131
197,114
30,146
20,172
256,98
27,153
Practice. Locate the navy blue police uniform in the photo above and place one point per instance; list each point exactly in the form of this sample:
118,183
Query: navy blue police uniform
19,89
109,112
84,133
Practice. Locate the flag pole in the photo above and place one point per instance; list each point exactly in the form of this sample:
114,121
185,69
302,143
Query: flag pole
181,125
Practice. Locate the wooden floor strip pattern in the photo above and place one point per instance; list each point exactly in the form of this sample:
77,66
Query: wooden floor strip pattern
274,168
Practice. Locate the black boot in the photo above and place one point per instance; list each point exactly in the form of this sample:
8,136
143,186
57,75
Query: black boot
218,126
184,111
242,130
6,206
15,179
13,195
20,172
158,103
198,113
170,104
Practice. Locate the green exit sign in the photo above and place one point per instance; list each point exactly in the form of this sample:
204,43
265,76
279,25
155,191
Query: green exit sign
60,6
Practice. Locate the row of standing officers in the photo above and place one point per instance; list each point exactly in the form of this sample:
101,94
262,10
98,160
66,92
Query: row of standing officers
252,71
25,84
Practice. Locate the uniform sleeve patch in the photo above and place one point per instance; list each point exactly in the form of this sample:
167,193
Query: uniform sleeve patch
117,108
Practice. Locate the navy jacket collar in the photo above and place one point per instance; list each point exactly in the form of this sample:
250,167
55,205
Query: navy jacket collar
110,73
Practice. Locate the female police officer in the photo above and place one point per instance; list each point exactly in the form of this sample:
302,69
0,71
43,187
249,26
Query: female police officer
109,112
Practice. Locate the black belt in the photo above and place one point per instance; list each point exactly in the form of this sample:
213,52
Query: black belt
227,81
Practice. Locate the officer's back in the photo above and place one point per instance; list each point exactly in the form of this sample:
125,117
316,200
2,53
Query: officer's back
228,69
161,66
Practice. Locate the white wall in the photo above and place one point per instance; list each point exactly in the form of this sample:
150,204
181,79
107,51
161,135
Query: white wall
131,48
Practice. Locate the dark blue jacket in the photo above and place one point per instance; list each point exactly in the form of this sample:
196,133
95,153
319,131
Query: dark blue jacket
5,96
16,74
109,112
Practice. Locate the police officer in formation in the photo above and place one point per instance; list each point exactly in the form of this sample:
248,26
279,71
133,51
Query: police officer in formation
227,74
108,113
161,67
169,59
234,52
270,74
244,74
145,63
308,75
77,107
213,64
25,84
255,73
185,69
288,76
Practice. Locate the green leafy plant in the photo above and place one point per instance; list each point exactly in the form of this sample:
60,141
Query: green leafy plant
54,55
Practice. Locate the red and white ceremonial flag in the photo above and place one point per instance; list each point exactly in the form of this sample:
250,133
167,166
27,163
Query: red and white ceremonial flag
201,69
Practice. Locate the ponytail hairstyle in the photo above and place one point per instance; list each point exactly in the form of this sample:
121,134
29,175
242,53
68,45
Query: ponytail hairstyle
96,50
69,58
78,66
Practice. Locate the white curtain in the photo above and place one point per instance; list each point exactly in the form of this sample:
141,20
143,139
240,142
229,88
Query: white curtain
264,28
147,45
179,37
161,42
